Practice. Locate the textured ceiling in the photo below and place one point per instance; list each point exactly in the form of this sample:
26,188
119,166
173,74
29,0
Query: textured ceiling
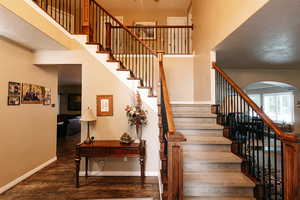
268,39
145,5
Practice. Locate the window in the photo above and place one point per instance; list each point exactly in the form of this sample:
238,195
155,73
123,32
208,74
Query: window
256,98
279,106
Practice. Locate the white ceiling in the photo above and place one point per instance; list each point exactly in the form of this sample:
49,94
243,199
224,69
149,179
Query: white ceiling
69,75
23,33
269,39
145,5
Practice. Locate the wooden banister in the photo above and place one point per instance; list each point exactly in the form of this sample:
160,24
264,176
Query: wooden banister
165,91
290,162
125,28
253,105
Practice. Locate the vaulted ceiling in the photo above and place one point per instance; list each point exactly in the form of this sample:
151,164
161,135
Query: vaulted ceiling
268,39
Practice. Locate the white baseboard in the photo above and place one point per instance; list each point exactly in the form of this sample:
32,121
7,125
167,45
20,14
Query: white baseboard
118,173
26,175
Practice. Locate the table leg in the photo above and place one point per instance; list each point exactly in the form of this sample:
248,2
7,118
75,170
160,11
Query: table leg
86,166
142,163
77,163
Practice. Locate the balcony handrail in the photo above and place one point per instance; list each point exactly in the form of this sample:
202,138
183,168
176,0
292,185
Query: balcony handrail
126,29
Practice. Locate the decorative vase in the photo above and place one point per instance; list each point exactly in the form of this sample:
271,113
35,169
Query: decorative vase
138,131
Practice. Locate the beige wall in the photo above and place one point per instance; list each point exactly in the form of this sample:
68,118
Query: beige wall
179,75
213,22
28,132
97,80
245,77
64,92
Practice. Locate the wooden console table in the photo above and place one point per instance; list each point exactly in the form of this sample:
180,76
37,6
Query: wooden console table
109,148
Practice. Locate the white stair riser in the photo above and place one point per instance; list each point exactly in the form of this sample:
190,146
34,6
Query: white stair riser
202,133
207,147
218,198
202,120
211,167
210,191
191,110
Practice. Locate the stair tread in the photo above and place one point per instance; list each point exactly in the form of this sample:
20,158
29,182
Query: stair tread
194,126
207,140
193,115
211,157
218,198
217,179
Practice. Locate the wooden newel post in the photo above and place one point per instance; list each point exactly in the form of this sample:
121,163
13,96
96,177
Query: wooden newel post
291,156
86,25
108,36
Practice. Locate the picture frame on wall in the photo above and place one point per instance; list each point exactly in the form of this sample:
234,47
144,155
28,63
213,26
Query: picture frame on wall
74,102
104,105
14,89
32,94
13,100
143,32
47,96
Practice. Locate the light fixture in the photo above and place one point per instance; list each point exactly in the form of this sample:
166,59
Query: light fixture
88,116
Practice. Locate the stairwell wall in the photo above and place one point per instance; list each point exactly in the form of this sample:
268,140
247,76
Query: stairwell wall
213,22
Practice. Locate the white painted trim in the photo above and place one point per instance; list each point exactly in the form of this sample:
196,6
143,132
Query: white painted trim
118,173
26,175
191,102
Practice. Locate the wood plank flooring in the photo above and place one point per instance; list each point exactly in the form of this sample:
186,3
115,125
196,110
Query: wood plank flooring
56,182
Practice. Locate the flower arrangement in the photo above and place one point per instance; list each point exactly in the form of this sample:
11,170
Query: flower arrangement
136,115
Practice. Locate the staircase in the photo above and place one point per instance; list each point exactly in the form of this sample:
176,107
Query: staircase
210,170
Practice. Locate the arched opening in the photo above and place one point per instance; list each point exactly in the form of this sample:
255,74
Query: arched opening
275,98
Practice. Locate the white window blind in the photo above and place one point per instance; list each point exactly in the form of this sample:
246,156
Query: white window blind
279,106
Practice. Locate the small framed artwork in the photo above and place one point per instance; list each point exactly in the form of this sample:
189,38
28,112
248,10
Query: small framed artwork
74,102
13,100
144,32
14,89
105,105
47,96
32,94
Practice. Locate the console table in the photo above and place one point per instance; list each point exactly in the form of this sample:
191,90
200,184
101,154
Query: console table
109,148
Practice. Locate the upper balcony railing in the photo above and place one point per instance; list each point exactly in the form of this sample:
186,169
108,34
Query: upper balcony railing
270,157
172,40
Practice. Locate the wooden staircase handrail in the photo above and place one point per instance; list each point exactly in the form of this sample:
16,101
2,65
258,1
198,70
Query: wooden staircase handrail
126,29
259,111
165,91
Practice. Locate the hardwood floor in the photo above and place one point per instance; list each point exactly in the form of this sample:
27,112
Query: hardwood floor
56,182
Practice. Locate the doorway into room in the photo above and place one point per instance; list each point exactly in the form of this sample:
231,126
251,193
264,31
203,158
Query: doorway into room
69,109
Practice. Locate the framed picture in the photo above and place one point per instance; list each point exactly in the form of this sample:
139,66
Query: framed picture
14,89
32,94
105,105
47,96
74,102
13,100
143,32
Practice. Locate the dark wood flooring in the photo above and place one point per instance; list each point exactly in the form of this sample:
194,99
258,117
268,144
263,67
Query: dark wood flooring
56,182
